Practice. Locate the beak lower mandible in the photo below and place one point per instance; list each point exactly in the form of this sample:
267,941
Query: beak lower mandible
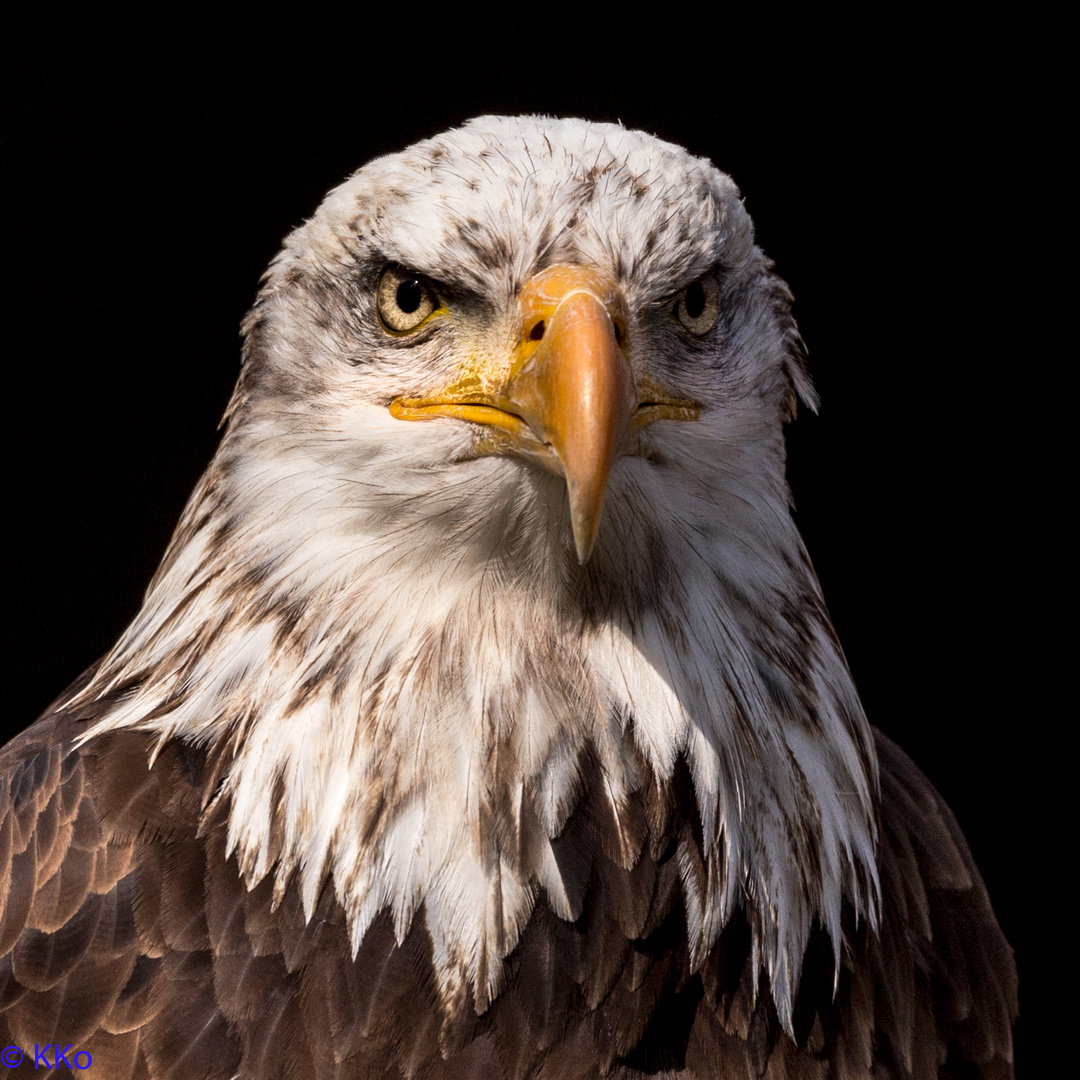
572,385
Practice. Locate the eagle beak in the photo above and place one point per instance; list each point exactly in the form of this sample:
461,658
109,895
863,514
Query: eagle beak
570,382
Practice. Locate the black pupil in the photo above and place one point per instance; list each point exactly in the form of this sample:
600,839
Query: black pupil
409,295
695,300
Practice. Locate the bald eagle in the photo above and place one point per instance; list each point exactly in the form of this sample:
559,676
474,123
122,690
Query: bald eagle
484,718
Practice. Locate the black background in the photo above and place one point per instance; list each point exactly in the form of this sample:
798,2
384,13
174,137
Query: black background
897,173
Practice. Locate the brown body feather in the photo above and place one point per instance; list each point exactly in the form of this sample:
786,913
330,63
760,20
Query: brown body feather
128,932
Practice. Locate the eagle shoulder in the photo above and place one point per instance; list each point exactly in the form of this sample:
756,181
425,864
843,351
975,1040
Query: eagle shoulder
100,948
128,934
945,974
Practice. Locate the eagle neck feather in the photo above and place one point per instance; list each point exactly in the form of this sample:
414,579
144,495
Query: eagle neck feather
418,724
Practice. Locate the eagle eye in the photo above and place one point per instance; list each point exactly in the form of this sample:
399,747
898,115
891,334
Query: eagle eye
404,299
698,305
